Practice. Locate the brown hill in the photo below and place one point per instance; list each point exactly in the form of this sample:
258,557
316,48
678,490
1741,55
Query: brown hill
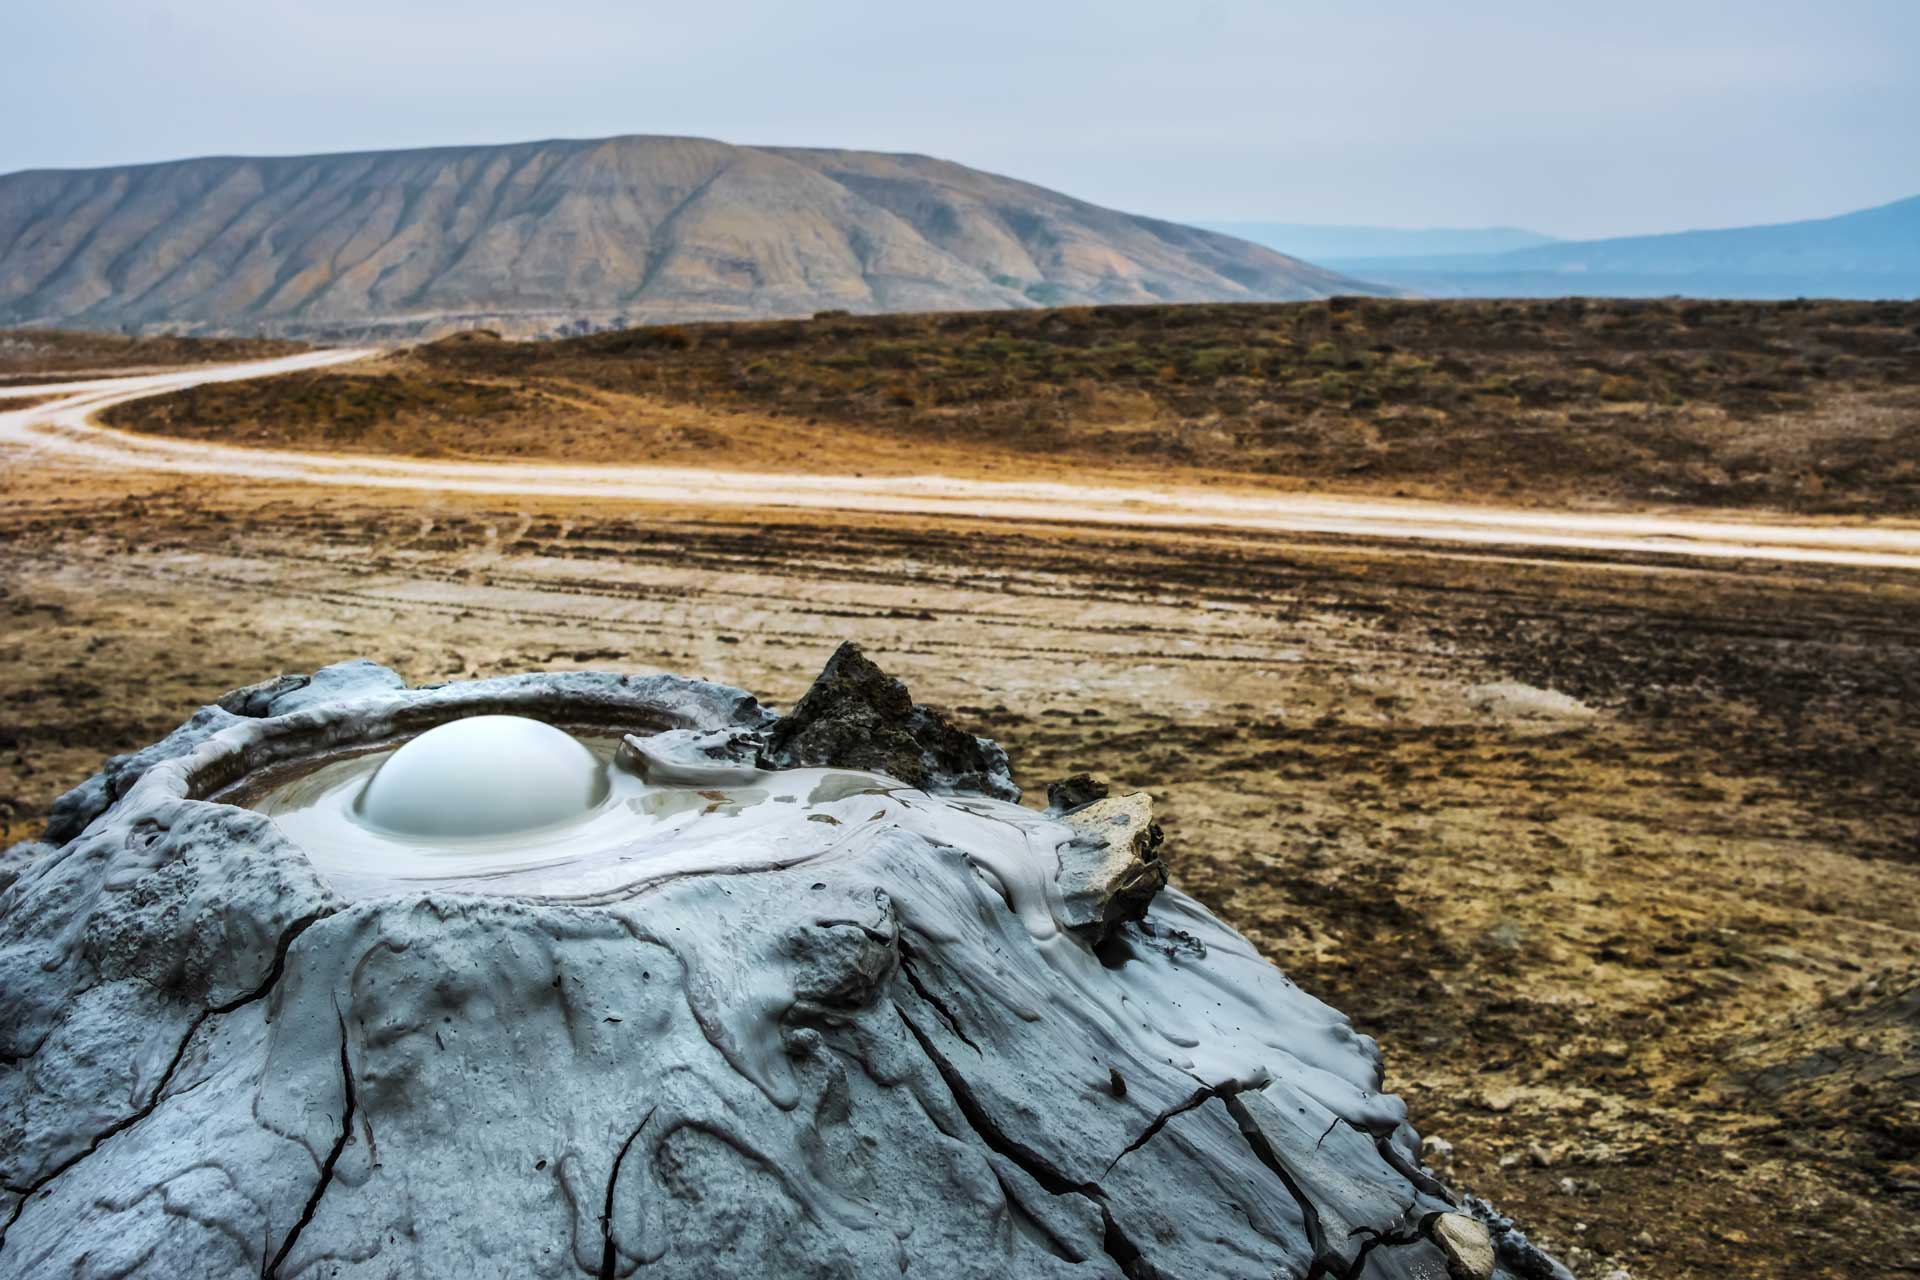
554,237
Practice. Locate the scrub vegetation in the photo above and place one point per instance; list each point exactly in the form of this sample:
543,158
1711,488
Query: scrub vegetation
48,355
1812,407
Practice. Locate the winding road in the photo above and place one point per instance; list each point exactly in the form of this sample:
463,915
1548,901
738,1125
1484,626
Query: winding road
60,427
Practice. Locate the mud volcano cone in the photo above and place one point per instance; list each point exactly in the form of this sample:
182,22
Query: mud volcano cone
807,996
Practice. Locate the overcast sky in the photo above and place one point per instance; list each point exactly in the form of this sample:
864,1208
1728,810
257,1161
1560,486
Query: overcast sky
1570,118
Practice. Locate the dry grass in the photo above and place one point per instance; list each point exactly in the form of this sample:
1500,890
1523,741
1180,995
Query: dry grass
29,355
1811,407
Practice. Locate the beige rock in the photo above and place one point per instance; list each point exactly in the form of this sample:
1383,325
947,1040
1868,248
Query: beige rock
1468,1247
1509,699
1112,870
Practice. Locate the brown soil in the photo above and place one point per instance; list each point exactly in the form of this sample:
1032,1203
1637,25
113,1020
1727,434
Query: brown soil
1647,960
1808,407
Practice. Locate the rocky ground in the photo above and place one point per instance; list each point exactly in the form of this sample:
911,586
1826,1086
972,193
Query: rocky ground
1620,862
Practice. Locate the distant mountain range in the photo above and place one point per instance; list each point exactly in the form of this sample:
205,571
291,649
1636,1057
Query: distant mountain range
1874,253
558,237
1326,242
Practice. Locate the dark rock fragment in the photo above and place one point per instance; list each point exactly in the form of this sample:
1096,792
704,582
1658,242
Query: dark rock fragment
1516,1253
255,701
1071,793
856,716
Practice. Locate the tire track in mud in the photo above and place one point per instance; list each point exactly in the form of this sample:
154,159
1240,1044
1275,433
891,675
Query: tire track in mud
1066,578
1058,585
1187,570
784,633
1063,573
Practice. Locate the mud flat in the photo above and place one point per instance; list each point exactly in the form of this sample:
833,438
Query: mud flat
1615,855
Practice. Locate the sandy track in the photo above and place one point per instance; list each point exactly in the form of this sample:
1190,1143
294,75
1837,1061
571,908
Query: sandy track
64,428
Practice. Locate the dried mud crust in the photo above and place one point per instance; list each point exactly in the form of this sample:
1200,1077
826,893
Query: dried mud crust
1803,406
1609,950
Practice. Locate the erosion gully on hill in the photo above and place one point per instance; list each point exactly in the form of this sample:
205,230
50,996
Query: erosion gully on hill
1619,863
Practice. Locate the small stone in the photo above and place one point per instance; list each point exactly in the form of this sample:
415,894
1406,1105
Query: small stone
1072,793
1467,1245
1541,1157
1509,699
1110,872
1436,1153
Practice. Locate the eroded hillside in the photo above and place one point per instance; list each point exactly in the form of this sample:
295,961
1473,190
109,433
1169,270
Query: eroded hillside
553,237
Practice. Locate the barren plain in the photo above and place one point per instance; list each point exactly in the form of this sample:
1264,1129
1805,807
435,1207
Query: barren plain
1617,853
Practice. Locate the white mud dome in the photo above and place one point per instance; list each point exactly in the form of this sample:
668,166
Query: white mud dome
686,990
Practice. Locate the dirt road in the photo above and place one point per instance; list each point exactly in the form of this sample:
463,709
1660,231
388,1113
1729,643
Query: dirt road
63,426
